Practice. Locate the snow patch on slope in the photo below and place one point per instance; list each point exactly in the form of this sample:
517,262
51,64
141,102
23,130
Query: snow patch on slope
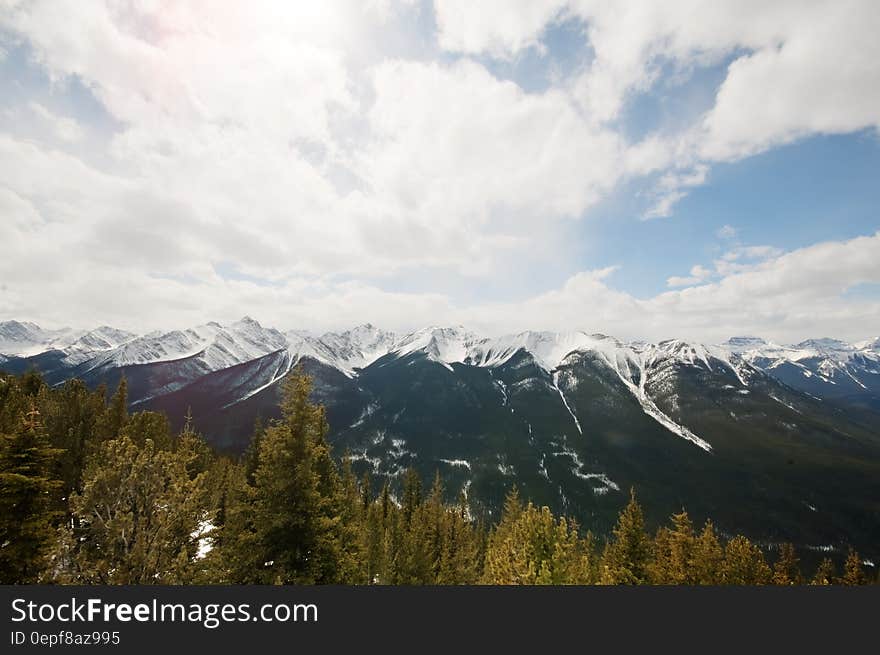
577,423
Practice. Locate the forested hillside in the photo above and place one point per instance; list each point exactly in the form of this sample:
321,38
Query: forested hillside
93,494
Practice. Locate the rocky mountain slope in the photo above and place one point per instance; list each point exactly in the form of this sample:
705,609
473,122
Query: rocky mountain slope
781,442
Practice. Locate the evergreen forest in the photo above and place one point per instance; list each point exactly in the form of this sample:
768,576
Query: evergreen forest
93,493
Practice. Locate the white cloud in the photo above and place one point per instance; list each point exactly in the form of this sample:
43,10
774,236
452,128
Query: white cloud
823,77
788,297
293,146
799,68
745,258
672,187
737,260
260,140
752,252
64,127
664,205
498,27
502,151
726,232
698,274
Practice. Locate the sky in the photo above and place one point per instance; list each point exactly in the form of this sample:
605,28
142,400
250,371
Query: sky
694,168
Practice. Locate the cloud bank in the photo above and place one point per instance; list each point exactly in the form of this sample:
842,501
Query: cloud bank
318,165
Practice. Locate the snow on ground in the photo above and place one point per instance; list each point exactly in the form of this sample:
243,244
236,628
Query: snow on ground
457,462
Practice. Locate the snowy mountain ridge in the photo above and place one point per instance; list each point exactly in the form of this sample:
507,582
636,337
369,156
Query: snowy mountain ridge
577,417
221,346
23,338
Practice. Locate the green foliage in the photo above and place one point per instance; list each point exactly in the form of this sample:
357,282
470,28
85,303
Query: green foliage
681,557
70,415
744,564
138,516
824,573
627,555
92,494
708,557
427,542
26,487
673,552
295,533
853,571
529,546
786,570
142,427
115,415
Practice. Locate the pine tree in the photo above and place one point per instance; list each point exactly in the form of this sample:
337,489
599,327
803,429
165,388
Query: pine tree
380,546
385,501
141,427
375,545
853,570
415,556
26,488
627,556
744,564
824,573
673,553
434,519
298,500
354,522
708,557
786,569
252,454
461,557
70,415
366,489
237,550
138,517
115,416
529,546
14,403
412,494
199,454
31,383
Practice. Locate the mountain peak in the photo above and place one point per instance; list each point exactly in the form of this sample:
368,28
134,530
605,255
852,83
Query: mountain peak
744,343
747,340
352,349
869,344
442,344
824,344
23,338
18,327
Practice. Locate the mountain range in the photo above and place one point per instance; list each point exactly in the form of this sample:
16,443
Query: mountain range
780,442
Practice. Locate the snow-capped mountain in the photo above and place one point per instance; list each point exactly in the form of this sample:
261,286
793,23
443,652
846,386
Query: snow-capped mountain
826,368
548,348
358,347
823,367
445,345
872,345
744,344
99,340
739,430
217,346
22,338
